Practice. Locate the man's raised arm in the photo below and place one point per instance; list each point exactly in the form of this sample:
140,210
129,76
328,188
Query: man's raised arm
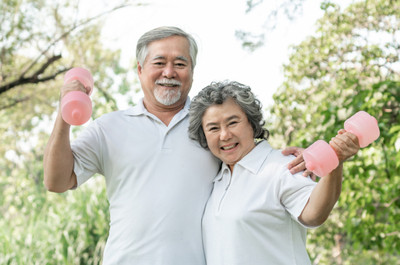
58,161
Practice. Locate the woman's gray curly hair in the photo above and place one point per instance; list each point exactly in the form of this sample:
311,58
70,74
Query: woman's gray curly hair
218,93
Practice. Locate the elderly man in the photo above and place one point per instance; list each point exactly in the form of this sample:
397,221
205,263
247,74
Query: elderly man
158,180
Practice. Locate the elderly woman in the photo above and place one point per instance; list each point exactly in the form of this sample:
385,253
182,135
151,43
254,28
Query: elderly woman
258,212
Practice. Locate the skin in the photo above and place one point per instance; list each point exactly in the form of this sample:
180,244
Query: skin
229,134
230,137
328,189
58,161
169,59
297,164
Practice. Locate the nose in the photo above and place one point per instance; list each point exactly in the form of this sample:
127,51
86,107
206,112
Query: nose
225,134
169,71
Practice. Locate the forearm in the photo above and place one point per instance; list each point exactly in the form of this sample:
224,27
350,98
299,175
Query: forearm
58,161
323,198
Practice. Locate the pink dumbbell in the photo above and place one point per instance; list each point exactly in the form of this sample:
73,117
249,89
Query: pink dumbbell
76,106
320,157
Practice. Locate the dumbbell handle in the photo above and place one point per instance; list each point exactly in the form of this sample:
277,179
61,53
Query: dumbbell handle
76,106
320,157
82,75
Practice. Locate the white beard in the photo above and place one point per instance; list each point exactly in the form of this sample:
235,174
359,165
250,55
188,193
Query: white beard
167,97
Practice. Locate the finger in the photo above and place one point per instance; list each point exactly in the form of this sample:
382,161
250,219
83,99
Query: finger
291,150
353,138
313,177
346,140
336,142
77,85
338,146
298,168
74,85
344,147
307,172
296,161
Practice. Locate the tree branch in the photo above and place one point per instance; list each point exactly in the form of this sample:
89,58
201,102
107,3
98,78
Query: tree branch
69,31
15,102
34,78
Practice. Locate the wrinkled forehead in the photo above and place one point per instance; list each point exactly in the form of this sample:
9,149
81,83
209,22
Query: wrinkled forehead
175,47
176,58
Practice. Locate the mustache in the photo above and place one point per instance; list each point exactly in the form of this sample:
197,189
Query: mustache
171,82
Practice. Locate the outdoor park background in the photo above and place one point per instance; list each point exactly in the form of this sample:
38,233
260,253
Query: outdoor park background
344,57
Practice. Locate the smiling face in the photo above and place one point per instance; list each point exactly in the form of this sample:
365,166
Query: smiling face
228,132
166,75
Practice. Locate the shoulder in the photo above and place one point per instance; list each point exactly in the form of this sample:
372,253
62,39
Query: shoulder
276,164
277,155
265,160
110,116
274,156
112,119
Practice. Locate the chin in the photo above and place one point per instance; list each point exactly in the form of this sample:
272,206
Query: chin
168,97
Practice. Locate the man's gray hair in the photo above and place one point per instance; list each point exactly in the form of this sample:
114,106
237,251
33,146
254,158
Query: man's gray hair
162,33
218,93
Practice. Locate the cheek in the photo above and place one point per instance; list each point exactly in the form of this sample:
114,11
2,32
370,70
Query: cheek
211,142
251,132
150,72
187,75
250,136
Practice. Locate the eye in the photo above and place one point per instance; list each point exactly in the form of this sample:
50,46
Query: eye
180,65
232,123
212,129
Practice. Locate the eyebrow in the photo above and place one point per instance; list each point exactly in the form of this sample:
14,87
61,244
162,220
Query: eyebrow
226,120
182,58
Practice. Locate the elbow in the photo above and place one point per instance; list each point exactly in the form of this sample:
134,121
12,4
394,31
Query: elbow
314,220
52,187
57,180
315,223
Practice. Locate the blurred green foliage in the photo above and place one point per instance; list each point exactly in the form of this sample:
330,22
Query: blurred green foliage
350,64
39,41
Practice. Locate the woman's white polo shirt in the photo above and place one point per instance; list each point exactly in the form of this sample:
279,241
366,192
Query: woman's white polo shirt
251,216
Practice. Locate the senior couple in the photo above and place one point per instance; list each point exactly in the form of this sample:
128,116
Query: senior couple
161,160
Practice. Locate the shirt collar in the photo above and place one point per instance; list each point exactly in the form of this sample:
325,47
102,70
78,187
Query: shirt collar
224,167
255,159
140,109
252,161
136,110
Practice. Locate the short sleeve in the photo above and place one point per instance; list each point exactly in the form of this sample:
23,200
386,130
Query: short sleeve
87,153
295,190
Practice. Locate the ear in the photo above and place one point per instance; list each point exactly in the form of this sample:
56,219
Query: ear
139,68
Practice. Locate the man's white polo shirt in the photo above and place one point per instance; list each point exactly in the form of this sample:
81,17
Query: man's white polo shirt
251,216
158,182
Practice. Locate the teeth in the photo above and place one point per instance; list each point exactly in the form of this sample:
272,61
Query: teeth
168,85
228,147
168,82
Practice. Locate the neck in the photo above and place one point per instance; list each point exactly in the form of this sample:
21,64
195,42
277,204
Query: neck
164,113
